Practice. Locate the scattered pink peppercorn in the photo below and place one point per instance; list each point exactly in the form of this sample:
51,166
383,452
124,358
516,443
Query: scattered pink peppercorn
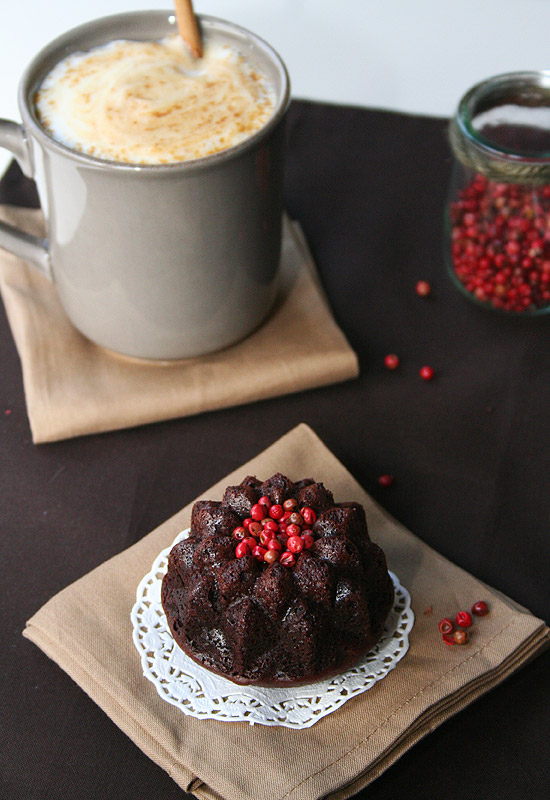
480,609
391,361
270,525
247,521
426,373
423,288
445,625
239,533
386,480
290,504
463,619
264,501
274,544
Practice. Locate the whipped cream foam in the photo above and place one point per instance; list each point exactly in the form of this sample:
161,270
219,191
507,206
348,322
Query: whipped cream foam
151,103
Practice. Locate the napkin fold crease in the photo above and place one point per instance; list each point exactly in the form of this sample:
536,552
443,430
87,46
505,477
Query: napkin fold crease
86,629
72,387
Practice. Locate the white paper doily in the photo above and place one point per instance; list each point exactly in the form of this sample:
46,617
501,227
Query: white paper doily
200,693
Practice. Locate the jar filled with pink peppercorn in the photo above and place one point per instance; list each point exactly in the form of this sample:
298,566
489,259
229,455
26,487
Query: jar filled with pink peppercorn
498,214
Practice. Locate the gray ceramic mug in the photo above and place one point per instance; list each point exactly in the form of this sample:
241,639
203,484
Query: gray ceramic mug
157,262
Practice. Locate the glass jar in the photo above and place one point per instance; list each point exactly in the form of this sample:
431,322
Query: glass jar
498,214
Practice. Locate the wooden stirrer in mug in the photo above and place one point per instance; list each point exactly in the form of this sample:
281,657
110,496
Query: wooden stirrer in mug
188,28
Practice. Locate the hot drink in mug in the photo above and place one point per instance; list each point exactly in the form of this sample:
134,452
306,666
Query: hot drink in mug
160,179
152,102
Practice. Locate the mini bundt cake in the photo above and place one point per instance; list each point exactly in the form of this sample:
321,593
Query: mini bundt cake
277,584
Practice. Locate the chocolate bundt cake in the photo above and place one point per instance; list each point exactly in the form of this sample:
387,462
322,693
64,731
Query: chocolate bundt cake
277,584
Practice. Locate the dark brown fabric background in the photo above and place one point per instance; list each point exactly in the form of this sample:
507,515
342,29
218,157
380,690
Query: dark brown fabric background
469,451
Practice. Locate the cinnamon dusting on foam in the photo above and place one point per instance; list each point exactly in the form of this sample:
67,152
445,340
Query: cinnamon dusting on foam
152,103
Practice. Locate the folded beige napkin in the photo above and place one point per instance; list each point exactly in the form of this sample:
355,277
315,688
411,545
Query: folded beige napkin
73,387
86,629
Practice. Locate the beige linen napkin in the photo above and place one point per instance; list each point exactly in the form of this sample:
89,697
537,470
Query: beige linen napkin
73,387
86,629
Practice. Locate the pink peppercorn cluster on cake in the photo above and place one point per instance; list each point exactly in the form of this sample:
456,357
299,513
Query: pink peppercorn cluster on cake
277,584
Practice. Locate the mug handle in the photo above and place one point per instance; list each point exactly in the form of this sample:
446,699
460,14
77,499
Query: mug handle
30,248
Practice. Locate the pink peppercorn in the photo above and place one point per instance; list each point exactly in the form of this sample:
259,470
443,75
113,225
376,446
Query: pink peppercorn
254,529
265,538
271,556
308,515
308,540
460,637
287,559
276,511
295,544
293,530
500,244
258,512
423,288
464,619
242,549
259,552
391,361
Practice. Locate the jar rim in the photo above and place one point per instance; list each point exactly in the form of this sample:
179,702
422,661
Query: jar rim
501,163
527,86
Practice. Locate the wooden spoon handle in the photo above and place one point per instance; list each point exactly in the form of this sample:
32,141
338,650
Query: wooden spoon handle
187,25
